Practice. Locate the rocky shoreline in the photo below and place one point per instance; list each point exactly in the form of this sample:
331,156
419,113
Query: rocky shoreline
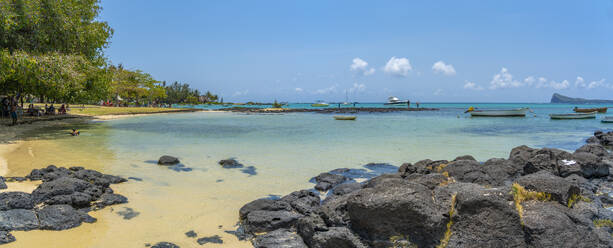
534,198
330,110
62,201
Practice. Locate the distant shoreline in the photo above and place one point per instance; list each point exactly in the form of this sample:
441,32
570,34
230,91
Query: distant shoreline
324,110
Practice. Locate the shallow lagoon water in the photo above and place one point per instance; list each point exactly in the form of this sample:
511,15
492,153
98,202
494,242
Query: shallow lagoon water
285,149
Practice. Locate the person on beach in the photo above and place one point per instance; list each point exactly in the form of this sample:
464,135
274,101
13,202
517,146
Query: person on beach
417,104
75,132
62,110
14,114
408,104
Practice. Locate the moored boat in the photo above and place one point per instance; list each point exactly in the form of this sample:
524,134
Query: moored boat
345,117
520,112
320,104
392,100
607,119
591,115
590,110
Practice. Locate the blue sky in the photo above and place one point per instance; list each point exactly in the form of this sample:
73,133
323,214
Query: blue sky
299,51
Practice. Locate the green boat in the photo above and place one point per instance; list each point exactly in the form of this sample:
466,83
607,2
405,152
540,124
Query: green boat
320,104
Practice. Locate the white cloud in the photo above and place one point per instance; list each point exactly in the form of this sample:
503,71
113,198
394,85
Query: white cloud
438,92
504,79
361,66
599,83
530,80
241,93
327,90
398,67
580,82
472,86
357,88
299,90
559,86
441,67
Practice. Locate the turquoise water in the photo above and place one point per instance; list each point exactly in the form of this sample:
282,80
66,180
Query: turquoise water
286,150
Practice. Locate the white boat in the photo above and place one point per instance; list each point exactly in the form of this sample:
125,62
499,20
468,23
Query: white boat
573,116
520,112
394,100
607,119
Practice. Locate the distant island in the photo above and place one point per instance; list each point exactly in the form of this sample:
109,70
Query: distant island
557,98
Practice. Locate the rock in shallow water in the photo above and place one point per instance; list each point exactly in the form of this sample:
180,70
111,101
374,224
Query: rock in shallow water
15,200
326,181
168,160
61,217
230,163
165,245
19,220
212,239
6,237
281,238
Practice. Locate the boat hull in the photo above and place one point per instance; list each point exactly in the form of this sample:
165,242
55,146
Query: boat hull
345,118
573,116
607,120
590,110
500,113
395,103
320,105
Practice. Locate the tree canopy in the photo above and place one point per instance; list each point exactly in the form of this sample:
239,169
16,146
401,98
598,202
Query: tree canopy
54,50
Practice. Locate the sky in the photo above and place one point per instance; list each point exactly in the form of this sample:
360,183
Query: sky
428,51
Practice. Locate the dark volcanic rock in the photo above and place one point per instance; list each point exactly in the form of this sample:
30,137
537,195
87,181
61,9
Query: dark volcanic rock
165,245
409,209
265,221
6,237
15,200
469,171
591,165
307,226
340,237
230,164
381,168
484,218
191,234
303,201
346,188
549,224
110,199
2,185
595,149
60,217
168,160
465,157
543,181
264,204
18,219
213,239
280,238
326,181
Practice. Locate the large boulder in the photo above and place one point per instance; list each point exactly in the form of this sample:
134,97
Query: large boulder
502,171
326,181
263,204
168,160
265,221
60,191
307,226
549,224
338,237
469,171
561,190
546,159
61,217
280,238
590,165
15,200
484,218
18,219
408,209
595,149
303,201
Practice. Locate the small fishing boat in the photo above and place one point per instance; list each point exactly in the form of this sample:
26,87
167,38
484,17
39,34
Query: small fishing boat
320,104
520,112
607,119
590,110
392,100
573,116
345,117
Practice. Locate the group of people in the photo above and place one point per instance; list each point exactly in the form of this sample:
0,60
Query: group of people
9,108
